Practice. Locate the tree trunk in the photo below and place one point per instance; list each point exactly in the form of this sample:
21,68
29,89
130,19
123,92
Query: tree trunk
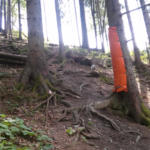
138,62
5,20
1,11
85,43
77,23
61,43
146,18
19,18
132,96
100,25
71,23
93,17
9,19
36,68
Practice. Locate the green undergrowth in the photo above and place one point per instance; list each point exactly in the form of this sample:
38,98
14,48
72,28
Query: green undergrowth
145,117
104,79
15,135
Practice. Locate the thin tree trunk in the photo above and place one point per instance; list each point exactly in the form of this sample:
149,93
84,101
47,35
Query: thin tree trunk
45,20
61,43
77,23
146,18
93,17
5,20
71,23
132,96
9,19
1,11
19,18
147,47
100,25
85,43
138,62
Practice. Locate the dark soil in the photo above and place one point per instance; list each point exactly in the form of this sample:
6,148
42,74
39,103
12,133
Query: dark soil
73,76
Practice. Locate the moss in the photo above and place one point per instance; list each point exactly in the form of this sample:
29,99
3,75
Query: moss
37,83
145,110
19,86
104,79
43,97
116,105
63,62
48,83
126,111
116,112
145,120
57,97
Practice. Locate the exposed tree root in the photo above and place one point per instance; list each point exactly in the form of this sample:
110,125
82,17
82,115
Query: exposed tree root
44,101
72,92
81,87
139,134
66,103
114,125
47,107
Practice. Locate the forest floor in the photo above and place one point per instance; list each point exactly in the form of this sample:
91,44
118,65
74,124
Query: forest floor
85,91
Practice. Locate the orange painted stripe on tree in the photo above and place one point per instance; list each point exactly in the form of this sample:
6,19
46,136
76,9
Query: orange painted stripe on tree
120,77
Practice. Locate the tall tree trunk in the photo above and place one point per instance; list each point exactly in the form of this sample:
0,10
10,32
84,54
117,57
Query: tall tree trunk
93,17
77,23
9,19
85,43
61,43
19,18
147,47
100,24
1,11
45,20
71,23
36,69
5,20
146,18
138,62
132,96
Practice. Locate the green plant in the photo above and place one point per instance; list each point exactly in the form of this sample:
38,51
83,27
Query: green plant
89,123
70,131
13,129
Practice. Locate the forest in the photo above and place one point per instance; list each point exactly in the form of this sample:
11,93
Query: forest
87,94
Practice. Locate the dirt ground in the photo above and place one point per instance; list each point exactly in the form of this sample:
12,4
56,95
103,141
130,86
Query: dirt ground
74,76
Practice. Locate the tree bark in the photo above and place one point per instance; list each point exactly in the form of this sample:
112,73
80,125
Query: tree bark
77,23
146,18
100,25
138,62
61,43
85,43
9,19
19,18
93,17
36,67
132,97
1,8
5,20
